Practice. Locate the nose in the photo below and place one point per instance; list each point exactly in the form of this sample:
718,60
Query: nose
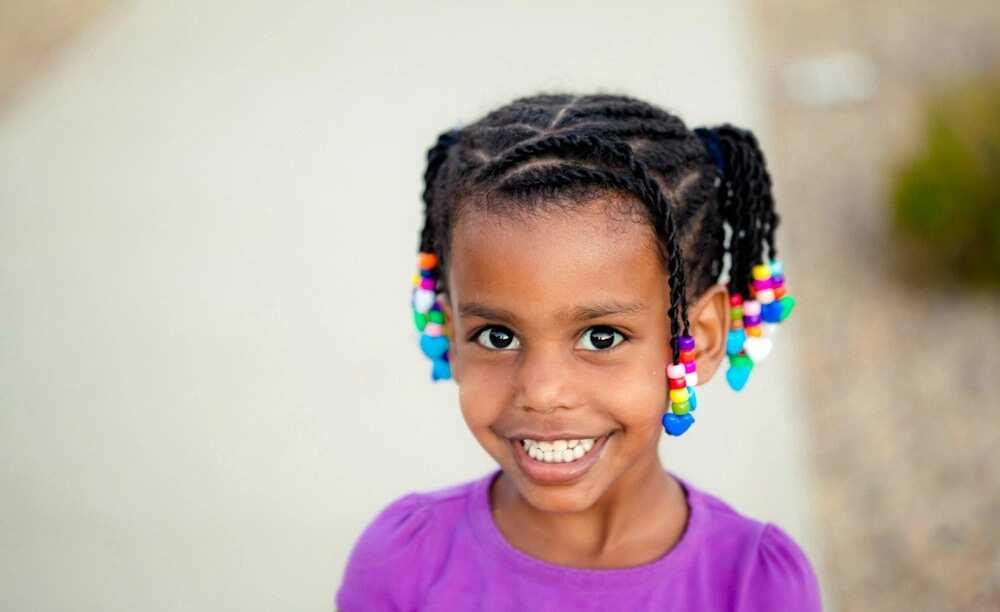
544,379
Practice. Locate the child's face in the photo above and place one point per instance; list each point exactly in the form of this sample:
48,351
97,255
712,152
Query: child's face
536,307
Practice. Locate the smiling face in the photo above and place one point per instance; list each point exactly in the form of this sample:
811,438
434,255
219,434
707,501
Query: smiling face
559,329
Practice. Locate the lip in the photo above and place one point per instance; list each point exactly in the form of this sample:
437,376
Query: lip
556,473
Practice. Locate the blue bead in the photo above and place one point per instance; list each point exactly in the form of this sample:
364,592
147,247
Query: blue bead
434,346
441,371
692,398
777,267
771,313
737,377
735,340
676,425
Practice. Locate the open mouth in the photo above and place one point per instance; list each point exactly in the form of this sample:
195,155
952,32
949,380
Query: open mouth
557,462
558,451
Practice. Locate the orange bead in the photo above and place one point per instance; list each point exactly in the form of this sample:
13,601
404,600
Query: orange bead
687,356
757,331
779,292
428,260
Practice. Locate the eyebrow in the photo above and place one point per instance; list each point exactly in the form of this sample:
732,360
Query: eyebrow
579,313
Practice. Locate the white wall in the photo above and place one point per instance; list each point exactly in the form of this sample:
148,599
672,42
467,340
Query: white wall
208,220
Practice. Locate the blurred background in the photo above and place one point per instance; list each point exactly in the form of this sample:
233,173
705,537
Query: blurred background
209,382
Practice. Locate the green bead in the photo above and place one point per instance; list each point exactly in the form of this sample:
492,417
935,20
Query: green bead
787,304
736,314
436,316
682,408
741,361
420,320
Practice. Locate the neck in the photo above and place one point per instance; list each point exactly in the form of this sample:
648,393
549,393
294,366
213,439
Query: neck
639,518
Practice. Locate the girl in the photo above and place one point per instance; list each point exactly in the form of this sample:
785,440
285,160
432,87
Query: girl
569,282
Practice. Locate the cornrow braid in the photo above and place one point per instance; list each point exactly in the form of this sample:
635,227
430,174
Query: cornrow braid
642,185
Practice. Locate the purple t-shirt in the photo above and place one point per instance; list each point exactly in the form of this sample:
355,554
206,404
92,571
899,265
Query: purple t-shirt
441,550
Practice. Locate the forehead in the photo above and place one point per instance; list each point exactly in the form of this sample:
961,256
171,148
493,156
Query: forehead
555,258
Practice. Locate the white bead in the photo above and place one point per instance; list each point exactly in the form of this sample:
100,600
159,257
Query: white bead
765,296
423,299
757,349
751,308
676,370
692,379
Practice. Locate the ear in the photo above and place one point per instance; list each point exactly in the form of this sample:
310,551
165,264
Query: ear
709,318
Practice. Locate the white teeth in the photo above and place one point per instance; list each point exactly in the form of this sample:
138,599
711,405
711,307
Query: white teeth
557,451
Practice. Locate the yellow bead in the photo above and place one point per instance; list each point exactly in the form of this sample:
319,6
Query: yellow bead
416,279
679,396
761,272
756,331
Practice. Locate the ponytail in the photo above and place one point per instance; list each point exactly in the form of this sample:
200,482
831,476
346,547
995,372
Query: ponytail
756,279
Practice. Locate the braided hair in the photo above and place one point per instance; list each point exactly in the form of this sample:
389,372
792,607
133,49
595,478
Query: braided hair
544,148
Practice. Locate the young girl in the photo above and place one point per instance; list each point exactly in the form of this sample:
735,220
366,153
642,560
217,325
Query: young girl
568,281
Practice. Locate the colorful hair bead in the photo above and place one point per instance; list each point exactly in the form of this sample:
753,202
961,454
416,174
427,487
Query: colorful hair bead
750,342
682,378
429,318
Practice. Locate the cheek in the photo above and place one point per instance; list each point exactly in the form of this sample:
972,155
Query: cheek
638,395
483,393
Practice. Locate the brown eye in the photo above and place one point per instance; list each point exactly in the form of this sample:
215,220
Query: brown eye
498,339
600,337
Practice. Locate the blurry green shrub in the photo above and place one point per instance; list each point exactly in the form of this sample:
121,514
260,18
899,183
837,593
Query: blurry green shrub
946,198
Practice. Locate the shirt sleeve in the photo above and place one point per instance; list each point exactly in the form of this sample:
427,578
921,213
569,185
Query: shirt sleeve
383,572
782,577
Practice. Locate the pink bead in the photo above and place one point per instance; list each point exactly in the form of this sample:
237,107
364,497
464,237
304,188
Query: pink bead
676,370
428,283
434,329
751,308
690,367
759,285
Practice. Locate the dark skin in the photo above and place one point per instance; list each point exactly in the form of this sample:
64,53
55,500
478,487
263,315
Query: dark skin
536,277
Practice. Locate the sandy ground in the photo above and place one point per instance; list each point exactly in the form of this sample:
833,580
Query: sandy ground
902,386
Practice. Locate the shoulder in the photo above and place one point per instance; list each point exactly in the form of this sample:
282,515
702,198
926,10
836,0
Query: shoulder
401,545
780,572
772,570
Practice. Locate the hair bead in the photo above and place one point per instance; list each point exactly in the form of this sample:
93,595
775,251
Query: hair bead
429,319
681,378
678,383
771,305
